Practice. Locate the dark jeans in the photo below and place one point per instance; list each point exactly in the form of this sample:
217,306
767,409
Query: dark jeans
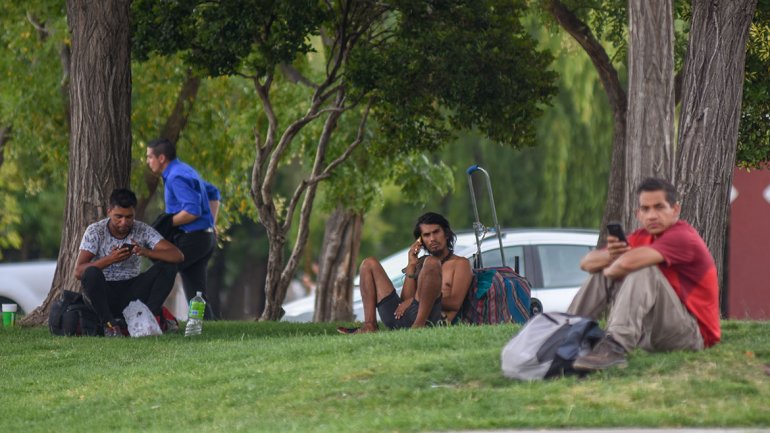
197,248
109,298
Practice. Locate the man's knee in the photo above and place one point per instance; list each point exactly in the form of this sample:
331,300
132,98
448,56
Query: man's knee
368,264
646,274
92,275
165,268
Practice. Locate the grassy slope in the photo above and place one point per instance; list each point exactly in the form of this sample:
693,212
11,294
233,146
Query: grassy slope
244,376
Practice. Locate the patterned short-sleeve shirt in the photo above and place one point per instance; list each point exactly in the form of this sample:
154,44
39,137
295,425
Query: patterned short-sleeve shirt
99,241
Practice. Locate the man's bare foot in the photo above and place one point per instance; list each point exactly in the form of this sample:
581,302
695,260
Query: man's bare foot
367,328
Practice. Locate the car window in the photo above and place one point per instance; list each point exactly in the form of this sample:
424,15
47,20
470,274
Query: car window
491,258
561,265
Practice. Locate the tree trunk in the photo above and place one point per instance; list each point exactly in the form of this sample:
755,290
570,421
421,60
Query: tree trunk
710,114
337,267
650,116
616,96
275,290
100,135
5,135
175,123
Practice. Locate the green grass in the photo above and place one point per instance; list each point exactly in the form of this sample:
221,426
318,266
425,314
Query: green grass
281,377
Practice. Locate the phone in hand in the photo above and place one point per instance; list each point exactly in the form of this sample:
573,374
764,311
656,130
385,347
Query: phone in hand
615,229
129,247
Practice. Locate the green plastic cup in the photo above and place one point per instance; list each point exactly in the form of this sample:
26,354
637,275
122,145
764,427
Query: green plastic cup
9,314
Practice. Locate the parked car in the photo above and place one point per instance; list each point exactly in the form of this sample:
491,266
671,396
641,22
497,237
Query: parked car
26,284
549,258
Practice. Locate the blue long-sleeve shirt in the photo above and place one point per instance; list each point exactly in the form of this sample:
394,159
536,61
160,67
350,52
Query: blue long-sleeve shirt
186,190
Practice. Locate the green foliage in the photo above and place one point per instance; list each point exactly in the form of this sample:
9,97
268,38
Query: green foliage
430,69
754,140
227,37
34,159
560,182
216,140
608,21
575,138
424,62
276,377
437,75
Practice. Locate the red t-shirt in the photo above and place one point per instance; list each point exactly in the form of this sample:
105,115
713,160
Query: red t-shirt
689,268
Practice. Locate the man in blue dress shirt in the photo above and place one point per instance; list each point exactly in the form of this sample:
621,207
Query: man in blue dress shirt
194,203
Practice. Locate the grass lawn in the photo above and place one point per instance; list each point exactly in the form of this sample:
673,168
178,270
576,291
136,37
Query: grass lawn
284,377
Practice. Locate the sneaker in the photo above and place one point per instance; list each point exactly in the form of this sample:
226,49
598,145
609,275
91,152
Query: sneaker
113,331
167,325
607,353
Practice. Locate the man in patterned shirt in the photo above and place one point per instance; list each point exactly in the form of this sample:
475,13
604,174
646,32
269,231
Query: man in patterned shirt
109,259
660,287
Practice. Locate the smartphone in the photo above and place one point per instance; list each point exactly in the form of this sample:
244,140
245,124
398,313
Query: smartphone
129,247
615,229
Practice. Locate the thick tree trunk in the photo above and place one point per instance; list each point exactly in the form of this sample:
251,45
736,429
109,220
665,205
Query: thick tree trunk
100,135
337,267
710,115
650,116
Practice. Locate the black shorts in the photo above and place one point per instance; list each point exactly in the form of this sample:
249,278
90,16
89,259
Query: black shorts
387,307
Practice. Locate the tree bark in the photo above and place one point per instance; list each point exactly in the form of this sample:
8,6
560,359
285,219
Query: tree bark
650,116
337,267
710,115
100,134
616,96
5,136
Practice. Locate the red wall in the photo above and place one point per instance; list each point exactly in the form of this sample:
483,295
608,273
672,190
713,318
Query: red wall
748,293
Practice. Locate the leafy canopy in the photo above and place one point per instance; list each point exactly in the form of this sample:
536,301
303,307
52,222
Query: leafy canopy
431,67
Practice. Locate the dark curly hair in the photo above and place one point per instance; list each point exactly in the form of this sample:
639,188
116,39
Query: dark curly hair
434,218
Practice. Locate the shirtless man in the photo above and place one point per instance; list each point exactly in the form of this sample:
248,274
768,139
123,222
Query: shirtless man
434,288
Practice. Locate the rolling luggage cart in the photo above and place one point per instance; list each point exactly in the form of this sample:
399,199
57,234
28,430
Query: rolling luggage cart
497,294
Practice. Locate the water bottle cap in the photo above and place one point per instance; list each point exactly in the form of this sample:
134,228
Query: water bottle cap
199,294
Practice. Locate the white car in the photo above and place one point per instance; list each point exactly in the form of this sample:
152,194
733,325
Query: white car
549,258
26,284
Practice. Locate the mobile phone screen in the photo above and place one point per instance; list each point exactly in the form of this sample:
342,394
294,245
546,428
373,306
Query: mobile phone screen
616,230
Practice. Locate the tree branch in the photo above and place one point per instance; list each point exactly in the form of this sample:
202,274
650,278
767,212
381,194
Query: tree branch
295,76
583,35
42,32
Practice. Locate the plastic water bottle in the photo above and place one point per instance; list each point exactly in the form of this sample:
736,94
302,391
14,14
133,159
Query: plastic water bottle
195,315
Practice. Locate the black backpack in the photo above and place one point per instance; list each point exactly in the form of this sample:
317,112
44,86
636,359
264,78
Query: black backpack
70,315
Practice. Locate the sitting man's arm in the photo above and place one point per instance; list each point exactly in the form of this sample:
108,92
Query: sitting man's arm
598,260
164,251
633,260
84,260
453,292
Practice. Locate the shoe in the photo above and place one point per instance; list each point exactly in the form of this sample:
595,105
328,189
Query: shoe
607,353
113,331
344,330
167,325
365,329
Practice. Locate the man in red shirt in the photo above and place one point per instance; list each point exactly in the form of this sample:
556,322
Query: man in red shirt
661,287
